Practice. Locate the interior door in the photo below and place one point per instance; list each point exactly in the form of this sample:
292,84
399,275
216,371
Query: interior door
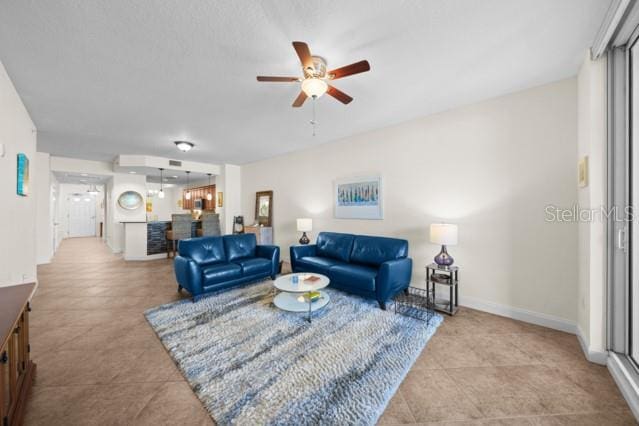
81,216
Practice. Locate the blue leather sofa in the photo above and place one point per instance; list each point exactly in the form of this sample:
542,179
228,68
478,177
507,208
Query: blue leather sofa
373,267
209,264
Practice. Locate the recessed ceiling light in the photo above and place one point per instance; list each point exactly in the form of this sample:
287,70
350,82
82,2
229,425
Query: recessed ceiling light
184,146
84,174
132,172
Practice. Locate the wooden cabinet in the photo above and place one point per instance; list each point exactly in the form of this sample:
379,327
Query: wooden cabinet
263,234
199,193
16,368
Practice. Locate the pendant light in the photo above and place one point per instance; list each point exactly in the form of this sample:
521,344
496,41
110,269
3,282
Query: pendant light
188,191
161,193
209,196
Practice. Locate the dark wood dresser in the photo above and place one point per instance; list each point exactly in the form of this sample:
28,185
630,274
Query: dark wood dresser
16,368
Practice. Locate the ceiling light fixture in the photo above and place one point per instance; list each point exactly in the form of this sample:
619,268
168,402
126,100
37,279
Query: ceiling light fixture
209,196
93,190
161,193
132,172
314,87
188,191
184,146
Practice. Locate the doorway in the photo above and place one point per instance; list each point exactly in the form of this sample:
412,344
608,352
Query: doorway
81,215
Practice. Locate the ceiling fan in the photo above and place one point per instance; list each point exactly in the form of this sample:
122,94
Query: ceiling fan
315,79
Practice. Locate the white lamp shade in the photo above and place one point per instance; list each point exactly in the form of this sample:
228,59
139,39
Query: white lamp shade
443,233
304,225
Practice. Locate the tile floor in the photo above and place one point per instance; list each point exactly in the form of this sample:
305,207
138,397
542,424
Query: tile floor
100,363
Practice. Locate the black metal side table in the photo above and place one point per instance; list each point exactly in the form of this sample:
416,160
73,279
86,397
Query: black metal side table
449,277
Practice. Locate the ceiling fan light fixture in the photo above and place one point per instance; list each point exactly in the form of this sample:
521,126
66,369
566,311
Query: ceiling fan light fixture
314,87
184,146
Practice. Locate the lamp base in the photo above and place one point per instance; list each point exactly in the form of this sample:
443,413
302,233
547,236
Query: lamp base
443,259
304,240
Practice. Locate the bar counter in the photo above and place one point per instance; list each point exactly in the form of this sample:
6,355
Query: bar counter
156,242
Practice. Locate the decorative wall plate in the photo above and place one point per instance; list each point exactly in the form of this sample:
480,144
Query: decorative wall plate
130,200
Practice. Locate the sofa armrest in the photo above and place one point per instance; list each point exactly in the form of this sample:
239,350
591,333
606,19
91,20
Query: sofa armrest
298,252
188,274
271,253
393,276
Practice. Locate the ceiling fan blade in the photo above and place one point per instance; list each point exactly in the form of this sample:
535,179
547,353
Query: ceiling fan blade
304,54
299,101
356,68
277,79
339,95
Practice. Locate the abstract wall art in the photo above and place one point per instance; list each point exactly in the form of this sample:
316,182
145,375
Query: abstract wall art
23,175
359,198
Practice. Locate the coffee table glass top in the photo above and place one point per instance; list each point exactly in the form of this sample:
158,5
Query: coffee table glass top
285,283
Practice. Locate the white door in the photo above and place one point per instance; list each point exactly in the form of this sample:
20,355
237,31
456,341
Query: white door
81,216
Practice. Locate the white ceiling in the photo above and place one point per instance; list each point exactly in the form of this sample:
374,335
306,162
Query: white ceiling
102,78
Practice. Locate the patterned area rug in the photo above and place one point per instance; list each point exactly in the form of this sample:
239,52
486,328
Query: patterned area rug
250,363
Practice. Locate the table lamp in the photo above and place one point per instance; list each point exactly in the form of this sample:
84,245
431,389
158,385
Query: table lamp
304,225
446,235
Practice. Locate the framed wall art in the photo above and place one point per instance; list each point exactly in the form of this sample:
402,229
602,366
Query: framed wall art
359,198
22,188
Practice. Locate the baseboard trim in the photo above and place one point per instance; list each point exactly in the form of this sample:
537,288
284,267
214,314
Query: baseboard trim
619,370
147,257
114,251
520,314
597,357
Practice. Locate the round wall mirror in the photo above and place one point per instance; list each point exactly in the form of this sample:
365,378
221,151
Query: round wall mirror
130,200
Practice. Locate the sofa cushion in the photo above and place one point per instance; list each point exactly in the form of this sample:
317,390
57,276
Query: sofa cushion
254,265
358,276
204,251
220,272
317,264
335,245
239,246
377,250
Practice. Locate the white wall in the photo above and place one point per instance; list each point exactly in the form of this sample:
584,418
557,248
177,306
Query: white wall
591,106
230,184
43,225
163,208
18,214
491,167
55,204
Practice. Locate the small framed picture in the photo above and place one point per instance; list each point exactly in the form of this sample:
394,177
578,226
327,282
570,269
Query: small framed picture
583,172
23,175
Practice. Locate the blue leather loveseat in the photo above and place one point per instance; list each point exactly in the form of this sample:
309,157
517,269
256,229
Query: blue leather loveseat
373,267
209,264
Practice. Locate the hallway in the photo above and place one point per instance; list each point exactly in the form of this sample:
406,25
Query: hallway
100,363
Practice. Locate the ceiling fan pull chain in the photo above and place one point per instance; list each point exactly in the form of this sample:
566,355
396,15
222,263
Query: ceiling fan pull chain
313,122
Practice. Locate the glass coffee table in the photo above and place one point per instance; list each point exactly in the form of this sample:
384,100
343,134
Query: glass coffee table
293,296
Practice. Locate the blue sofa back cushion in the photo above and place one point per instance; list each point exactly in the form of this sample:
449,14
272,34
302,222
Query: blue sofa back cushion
205,250
377,250
239,246
335,245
